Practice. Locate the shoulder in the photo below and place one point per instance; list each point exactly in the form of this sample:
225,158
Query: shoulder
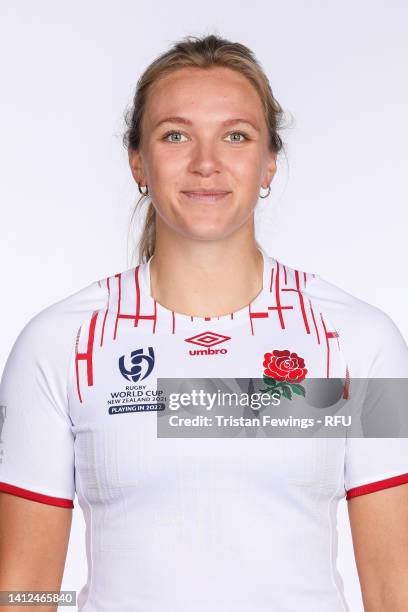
47,339
371,341
314,287
63,316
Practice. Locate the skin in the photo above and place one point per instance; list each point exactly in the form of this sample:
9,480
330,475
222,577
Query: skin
379,527
219,270
212,246
33,546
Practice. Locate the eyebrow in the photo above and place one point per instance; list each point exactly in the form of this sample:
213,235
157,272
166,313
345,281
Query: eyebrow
226,123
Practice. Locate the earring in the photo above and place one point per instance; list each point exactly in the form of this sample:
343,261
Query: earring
266,195
145,193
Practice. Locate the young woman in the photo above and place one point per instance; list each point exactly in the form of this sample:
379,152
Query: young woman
200,522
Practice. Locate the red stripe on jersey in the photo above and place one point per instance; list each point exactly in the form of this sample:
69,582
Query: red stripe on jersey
136,316
250,319
139,316
106,312
302,304
271,283
337,336
327,346
346,384
137,287
328,335
314,322
88,356
394,481
256,315
301,301
332,334
38,497
76,364
89,353
278,306
154,317
118,276
280,309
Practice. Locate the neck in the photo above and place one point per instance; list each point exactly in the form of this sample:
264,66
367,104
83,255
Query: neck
206,278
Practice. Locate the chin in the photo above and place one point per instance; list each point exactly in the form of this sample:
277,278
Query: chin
203,225
206,232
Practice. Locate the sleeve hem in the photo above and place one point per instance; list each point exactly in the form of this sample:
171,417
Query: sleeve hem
38,497
394,481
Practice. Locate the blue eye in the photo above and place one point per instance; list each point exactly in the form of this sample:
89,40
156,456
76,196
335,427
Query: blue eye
179,134
165,137
239,134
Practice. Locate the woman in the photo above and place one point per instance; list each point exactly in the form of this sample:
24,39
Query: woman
199,522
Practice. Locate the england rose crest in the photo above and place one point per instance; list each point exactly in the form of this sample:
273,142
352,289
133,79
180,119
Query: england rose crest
283,371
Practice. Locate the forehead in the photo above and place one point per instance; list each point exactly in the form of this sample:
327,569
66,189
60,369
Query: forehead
201,94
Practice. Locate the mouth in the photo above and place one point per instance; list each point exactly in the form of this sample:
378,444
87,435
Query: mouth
203,195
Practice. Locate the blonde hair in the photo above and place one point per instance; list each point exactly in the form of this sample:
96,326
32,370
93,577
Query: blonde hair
200,52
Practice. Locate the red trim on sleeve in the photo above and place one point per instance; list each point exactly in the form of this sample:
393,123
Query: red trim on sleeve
394,481
38,497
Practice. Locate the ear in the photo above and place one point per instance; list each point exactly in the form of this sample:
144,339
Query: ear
270,169
136,165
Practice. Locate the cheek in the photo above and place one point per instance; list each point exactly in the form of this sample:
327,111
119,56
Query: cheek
246,167
163,166
164,175
164,169
247,178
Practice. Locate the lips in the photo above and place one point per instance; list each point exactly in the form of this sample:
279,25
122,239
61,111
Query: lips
204,195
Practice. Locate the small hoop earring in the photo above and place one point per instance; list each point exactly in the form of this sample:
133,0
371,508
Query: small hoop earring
266,195
145,193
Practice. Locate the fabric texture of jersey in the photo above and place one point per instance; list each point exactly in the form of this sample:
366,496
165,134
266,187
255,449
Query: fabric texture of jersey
194,524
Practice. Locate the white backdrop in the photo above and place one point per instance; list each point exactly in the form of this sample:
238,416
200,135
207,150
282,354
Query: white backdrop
338,206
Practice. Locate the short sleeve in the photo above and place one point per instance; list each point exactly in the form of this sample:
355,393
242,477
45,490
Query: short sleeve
375,463
36,441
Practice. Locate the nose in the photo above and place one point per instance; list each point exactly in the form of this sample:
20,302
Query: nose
205,159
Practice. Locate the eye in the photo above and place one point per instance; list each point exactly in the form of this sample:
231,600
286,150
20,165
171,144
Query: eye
239,134
179,135
165,137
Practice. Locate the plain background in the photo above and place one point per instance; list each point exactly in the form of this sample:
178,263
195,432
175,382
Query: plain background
338,205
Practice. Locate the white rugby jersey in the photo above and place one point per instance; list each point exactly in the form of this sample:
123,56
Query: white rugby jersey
195,524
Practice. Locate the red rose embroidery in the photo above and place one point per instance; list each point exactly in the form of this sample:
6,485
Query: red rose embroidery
284,365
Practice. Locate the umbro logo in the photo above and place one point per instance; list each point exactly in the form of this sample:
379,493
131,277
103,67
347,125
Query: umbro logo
208,340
